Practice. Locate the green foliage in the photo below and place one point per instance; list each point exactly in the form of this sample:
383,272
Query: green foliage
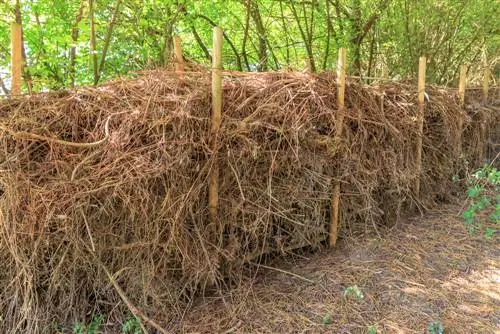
327,319
92,328
132,326
483,201
260,34
353,291
436,328
372,329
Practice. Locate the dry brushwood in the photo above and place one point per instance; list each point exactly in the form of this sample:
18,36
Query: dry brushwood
121,170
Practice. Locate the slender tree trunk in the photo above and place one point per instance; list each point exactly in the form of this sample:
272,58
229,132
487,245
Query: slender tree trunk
329,27
370,58
310,33
93,50
107,38
286,35
4,88
356,41
74,38
169,39
227,39
304,38
259,27
245,35
202,45
25,72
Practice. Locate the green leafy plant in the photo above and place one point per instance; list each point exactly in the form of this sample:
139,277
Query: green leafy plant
78,328
92,328
353,291
132,326
372,329
436,328
483,201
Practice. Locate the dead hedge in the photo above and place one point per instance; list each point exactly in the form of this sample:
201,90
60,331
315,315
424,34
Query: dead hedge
113,179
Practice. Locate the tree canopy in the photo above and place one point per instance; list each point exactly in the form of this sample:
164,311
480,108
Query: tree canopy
81,42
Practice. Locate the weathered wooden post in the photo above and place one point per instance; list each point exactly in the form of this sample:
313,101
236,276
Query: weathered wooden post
483,135
335,208
213,192
462,83
179,60
486,83
16,58
420,121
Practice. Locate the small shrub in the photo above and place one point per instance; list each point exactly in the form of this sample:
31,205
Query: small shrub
92,328
131,326
436,328
353,291
483,201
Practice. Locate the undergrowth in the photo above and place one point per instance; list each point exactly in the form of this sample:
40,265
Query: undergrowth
131,326
482,214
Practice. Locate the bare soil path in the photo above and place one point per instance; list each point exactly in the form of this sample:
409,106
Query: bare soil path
426,270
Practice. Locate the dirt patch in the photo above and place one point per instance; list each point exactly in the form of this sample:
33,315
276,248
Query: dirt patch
427,270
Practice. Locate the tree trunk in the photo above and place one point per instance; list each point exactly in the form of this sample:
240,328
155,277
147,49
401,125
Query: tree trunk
93,50
259,27
107,38
74,38
25,72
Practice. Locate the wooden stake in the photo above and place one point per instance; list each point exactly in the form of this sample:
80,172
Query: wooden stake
486,83
213,192
307,65
179,61
420,121
334,224
16,59
341,74
461,84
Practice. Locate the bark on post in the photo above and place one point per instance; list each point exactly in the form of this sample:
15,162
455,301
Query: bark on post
420,121
213,193
486,83
16,59
341,74
461,84
179,61
461,92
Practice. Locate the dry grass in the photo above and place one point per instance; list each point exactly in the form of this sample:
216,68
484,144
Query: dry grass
113,180
425,270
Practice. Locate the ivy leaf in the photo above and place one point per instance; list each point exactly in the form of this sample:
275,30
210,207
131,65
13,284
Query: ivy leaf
475,191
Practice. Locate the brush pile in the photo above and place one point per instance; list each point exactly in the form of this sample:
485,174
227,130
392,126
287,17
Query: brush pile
105,190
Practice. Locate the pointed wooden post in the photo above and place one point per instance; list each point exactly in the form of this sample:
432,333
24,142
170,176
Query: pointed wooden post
213,192
335,206
462,84
179,60
482,129
486,83
420,121
16,59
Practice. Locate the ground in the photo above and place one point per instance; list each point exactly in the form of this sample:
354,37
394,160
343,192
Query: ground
425,271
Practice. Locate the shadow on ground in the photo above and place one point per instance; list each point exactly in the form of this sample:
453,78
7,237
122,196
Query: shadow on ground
427,270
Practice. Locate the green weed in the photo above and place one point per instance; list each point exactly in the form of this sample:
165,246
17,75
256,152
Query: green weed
132,326
483,201
435,328
353,291
92,328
